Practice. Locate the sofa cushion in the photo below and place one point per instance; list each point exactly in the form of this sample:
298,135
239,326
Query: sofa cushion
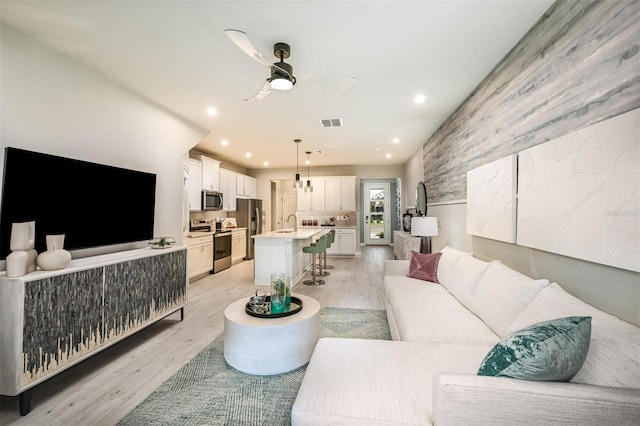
445,265
612,359
429,315
376,382
501,294
392,282
546,351
464,278
424,266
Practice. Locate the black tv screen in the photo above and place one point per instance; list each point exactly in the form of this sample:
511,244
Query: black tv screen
94,205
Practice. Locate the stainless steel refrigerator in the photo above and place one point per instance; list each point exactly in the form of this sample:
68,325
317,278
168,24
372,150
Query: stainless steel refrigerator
249,214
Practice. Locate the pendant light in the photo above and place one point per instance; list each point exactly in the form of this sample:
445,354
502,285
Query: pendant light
308,187
298,183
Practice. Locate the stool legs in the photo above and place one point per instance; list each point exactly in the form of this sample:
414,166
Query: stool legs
313,280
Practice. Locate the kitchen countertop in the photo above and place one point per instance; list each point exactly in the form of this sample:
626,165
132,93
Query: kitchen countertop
300,234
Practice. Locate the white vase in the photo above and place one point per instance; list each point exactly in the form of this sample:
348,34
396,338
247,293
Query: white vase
21,262
55,257
23,236
22,258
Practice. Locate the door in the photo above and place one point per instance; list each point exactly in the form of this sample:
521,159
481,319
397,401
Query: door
376,203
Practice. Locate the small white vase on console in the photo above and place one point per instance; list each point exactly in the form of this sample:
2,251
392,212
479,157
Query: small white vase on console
22,258
55,257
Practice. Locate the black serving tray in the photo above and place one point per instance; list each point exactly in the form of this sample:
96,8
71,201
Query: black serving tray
294,308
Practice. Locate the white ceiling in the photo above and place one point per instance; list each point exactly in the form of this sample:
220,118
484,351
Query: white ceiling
176,54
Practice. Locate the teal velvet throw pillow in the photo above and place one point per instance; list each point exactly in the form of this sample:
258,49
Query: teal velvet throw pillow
550,350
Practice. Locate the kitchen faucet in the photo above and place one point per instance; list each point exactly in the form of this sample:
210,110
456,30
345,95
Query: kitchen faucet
295,224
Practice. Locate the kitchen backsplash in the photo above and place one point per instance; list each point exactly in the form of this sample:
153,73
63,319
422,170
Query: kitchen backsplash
327,217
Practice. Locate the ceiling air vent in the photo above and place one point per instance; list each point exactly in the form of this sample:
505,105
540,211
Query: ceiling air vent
331,122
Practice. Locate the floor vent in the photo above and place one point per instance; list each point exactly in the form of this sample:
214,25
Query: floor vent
331,122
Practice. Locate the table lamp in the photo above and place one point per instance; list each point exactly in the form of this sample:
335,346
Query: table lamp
424,227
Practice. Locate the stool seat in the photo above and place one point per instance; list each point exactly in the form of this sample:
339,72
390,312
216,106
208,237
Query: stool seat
318,248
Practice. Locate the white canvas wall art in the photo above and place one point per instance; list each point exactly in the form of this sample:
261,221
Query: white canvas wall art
579,195
491,200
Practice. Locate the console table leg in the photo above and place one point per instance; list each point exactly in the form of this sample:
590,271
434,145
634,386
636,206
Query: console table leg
25,402
181,314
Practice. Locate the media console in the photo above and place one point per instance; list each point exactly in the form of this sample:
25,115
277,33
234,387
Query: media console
51,320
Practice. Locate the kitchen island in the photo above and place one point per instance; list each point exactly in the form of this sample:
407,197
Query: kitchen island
281,251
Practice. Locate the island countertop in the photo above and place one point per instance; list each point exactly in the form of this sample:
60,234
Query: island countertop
301,234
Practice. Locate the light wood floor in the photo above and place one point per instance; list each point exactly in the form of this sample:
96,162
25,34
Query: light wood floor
104,388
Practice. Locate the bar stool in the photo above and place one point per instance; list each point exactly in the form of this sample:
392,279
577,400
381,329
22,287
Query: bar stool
318,248
322,261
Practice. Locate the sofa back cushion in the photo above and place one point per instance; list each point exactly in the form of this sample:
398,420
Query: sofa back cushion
502,294
464,278
445,265
613,358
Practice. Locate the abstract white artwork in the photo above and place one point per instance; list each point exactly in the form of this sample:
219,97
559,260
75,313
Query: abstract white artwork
579,195
491,200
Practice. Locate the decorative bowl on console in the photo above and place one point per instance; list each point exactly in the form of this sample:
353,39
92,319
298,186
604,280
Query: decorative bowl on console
162,242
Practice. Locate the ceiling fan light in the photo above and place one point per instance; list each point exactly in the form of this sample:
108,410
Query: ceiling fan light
281,83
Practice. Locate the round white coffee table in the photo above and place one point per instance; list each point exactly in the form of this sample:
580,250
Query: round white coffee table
266,346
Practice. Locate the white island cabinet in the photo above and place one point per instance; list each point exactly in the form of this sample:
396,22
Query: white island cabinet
281,251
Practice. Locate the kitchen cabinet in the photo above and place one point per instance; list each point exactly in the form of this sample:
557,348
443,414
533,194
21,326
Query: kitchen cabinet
340,193
195,185
238,245
245,186
200,255
210,174
55,319
312,200
228,189
344,243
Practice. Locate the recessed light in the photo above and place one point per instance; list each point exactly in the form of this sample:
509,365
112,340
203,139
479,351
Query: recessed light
266,163
396,140
388,155
224,142
248,155
377,149
419,99
307,162
212,111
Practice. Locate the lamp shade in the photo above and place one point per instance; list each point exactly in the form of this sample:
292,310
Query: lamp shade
424,226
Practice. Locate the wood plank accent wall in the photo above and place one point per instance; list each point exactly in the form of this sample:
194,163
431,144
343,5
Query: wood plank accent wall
580,64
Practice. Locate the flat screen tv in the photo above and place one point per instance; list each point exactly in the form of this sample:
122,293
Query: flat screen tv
94,205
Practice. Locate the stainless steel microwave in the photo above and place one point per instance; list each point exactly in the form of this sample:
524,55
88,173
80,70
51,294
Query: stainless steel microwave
211,200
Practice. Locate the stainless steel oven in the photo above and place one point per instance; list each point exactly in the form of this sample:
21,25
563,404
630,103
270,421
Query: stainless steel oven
221,251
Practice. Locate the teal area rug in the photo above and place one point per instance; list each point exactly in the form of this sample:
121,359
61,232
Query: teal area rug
207,391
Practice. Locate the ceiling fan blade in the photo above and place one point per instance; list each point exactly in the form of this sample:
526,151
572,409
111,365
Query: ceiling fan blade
327,81
240,39
266,89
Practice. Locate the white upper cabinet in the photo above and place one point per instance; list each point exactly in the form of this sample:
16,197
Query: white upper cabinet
210,174
312,200
194,185
340,193
228,189
245,186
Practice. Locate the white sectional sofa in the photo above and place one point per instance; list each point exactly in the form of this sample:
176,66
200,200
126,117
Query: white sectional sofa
442,332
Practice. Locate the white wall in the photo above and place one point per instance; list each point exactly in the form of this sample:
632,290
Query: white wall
54,105
413,176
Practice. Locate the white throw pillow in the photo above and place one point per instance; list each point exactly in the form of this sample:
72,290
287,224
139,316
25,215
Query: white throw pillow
445,266
502,294
464,278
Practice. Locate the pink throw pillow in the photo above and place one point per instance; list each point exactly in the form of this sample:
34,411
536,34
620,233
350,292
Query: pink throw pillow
424,266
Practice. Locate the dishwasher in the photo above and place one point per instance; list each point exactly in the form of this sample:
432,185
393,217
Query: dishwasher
221,251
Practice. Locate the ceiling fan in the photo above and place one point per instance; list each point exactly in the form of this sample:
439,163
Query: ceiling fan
282,77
